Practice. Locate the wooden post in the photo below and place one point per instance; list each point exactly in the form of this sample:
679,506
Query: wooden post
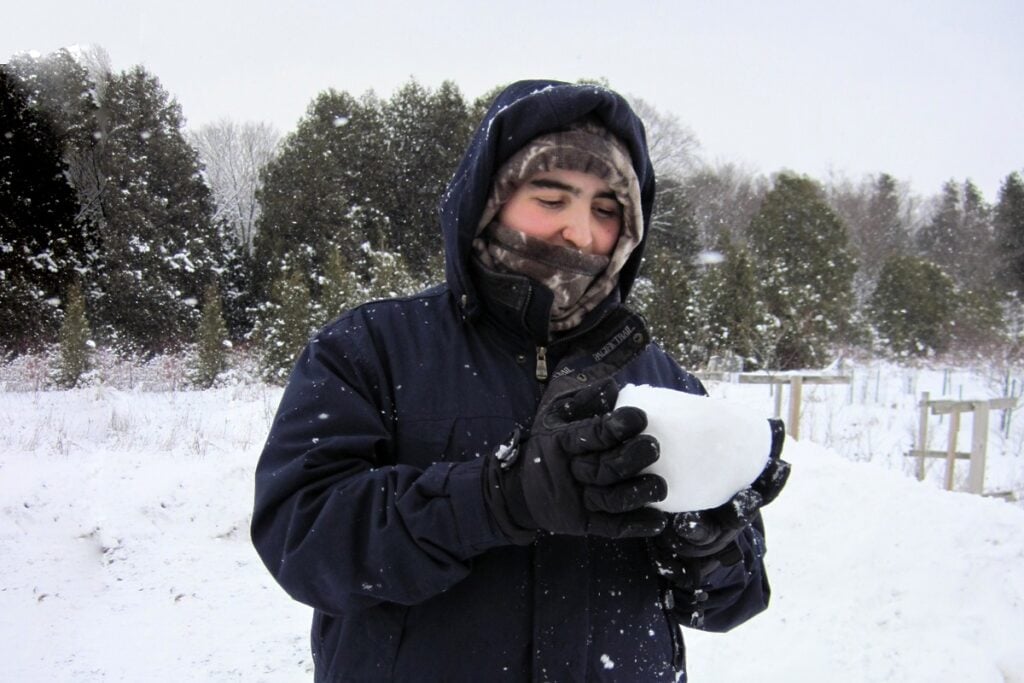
979,444
795,391
954,427
778,399
922,435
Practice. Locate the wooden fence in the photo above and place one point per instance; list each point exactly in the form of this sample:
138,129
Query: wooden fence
796,384
979,437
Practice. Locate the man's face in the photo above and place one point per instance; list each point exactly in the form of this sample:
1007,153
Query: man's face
566,208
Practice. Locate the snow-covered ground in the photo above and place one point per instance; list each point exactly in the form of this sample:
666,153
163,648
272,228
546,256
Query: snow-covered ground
124,552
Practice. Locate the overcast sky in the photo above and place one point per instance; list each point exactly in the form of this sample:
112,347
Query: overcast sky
925,90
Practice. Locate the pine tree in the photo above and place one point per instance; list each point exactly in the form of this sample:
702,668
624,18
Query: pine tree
40,240
68,89
672,307
913,306
284,326
960,236
805,269
158,243
211,340
342,288
389,276
939,239
426,132
979,322
1009,226
320,188
737,319
235,276
75,343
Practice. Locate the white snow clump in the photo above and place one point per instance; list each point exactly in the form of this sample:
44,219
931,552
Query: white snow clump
710,448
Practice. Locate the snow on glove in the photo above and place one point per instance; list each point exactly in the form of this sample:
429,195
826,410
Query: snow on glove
577,472
710,534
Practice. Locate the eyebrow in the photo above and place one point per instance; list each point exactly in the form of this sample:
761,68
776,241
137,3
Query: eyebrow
548,184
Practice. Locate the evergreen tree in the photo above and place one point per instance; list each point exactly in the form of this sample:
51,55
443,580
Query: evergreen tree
737,319
670,304
357,180
69,88
805,269
236,275
343,288
913,306
318,192
157,240
939,238
1009,226
978,251
41,242
75,344
979,323
211,340
960,237
673,224
389,276
284,325
426,133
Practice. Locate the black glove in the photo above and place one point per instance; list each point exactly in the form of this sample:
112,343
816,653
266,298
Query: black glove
577,471
709,535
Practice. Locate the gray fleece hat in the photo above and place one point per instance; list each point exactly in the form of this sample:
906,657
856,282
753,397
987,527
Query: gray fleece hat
587,147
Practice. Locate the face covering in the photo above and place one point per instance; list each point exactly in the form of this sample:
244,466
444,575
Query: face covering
567,272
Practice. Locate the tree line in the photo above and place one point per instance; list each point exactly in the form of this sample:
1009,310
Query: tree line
121,228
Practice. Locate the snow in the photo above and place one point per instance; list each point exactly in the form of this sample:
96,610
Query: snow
710,448
124,550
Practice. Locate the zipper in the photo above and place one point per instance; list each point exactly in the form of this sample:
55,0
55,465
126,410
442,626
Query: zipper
542,363
678,648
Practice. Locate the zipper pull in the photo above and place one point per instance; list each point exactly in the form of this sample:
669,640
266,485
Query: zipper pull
542,363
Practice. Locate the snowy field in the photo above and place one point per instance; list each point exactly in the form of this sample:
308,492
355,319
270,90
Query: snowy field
124,551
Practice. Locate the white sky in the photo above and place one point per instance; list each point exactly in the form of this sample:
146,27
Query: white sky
925,90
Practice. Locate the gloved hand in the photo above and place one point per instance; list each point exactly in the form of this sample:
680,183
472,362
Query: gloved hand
710,534
577,472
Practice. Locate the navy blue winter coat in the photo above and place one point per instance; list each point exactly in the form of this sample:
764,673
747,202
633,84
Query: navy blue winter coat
369,498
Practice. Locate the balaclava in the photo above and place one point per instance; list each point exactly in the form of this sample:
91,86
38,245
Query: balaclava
579,281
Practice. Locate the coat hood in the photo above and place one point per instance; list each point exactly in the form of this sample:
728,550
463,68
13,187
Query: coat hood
520,113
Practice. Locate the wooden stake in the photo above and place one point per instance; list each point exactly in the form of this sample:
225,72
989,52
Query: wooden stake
979,444
922,435
795,392
954,427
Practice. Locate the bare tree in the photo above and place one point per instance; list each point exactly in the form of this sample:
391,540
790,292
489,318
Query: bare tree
672,145
880,215
724,198
233,155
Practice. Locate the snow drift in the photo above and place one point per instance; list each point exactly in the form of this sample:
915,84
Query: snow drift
124,555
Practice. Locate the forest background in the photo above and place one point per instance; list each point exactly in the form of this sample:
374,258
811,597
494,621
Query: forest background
124,234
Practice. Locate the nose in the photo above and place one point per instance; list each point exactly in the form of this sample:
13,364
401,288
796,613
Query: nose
578,231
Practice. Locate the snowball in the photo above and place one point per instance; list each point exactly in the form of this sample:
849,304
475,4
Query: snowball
710,257
710,448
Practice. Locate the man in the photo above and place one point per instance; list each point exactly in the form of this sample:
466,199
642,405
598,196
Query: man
447,481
